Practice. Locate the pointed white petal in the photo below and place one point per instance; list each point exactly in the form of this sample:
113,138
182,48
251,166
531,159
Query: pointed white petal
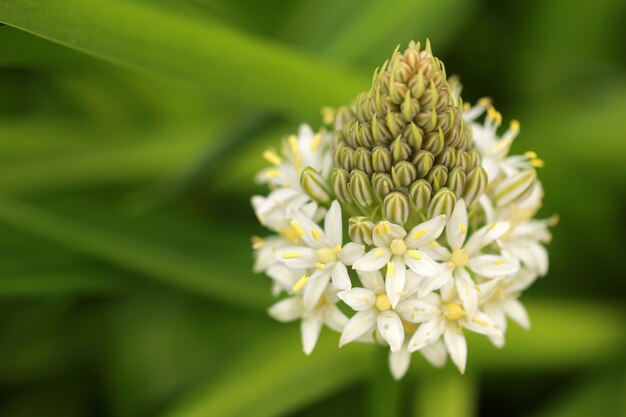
517,312
341,279
426,232
314,288
485,236
310,327
399,363
417,311
297,256
351,252
286,310
487,289
385,232
483,324
437,252
436,353
358,325
373,260
413,283
372,280
456,230
429,285
422,264
391,329
456,345
492,266
332,224
286,277
394,282
427,333
359,299
334,318
467,291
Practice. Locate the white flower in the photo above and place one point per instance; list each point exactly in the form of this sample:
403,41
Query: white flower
465,255
323,252
400,361
398,250
324,312
445,318
375,312
308,149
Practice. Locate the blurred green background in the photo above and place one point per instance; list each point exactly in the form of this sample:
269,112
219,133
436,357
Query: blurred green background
129,134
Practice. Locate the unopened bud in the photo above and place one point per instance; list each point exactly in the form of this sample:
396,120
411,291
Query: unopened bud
315,185
419,193
434,142
446,158
382,183
381,159
442,203
360,189
400,150
339,179
363,160
413,136
423,161
475,185
403,174
396,208
474,159
437,176
515,188
456,181
360,230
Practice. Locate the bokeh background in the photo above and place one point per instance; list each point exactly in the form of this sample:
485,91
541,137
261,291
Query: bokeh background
130,131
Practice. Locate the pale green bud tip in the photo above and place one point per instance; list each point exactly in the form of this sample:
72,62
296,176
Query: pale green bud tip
339,179
315,186
442,203
360,189
396,208
515,188
420,193
360,230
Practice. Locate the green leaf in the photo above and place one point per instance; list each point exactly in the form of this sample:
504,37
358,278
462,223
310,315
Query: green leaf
446,393
186,46
77,282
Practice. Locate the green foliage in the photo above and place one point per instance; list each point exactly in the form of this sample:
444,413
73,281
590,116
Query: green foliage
129,134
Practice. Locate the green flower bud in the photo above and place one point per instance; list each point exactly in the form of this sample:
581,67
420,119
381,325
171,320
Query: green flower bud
456,181
474,159
382,183
360,230
360,189
442,203
437,176
403,174
434,142
396,208
410,107
462,160
413,136
400,151
346,158
419,193
315,185
363,160
446,158
514,188
475,185
423,161
339,179
381,159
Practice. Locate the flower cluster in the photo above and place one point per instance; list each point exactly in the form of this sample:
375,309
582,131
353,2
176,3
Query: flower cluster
406,223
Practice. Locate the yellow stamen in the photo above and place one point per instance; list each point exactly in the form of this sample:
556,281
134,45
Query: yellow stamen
454,311
499,262
530,154
301,283
466,106
389,269
271,157
319,265
419,234
432,244
463,228
490,227
538,163
481,322
315,234
337,249
451,265
293,144
415,254
382,302
484,102
328,115
387,228
273,173
515,125
291,255
316,142
297,227
379,252
257,242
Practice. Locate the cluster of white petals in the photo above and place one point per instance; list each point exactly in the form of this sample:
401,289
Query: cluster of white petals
413,290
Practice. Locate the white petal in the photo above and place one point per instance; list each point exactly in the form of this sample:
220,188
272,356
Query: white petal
540,258
426,232
424,266
456,346
483,324
487,289
467,291
394,283
427,333
456,230
417,311
359,299
310,327
429,285
286,277
437,252
373,260
351,252
341,279
372,280
391,329
334,318
517,312
314,288
413,283
286,310
385,232
496,313
485,236
332,224
358,325
436,353
297,256
399,363
492,266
